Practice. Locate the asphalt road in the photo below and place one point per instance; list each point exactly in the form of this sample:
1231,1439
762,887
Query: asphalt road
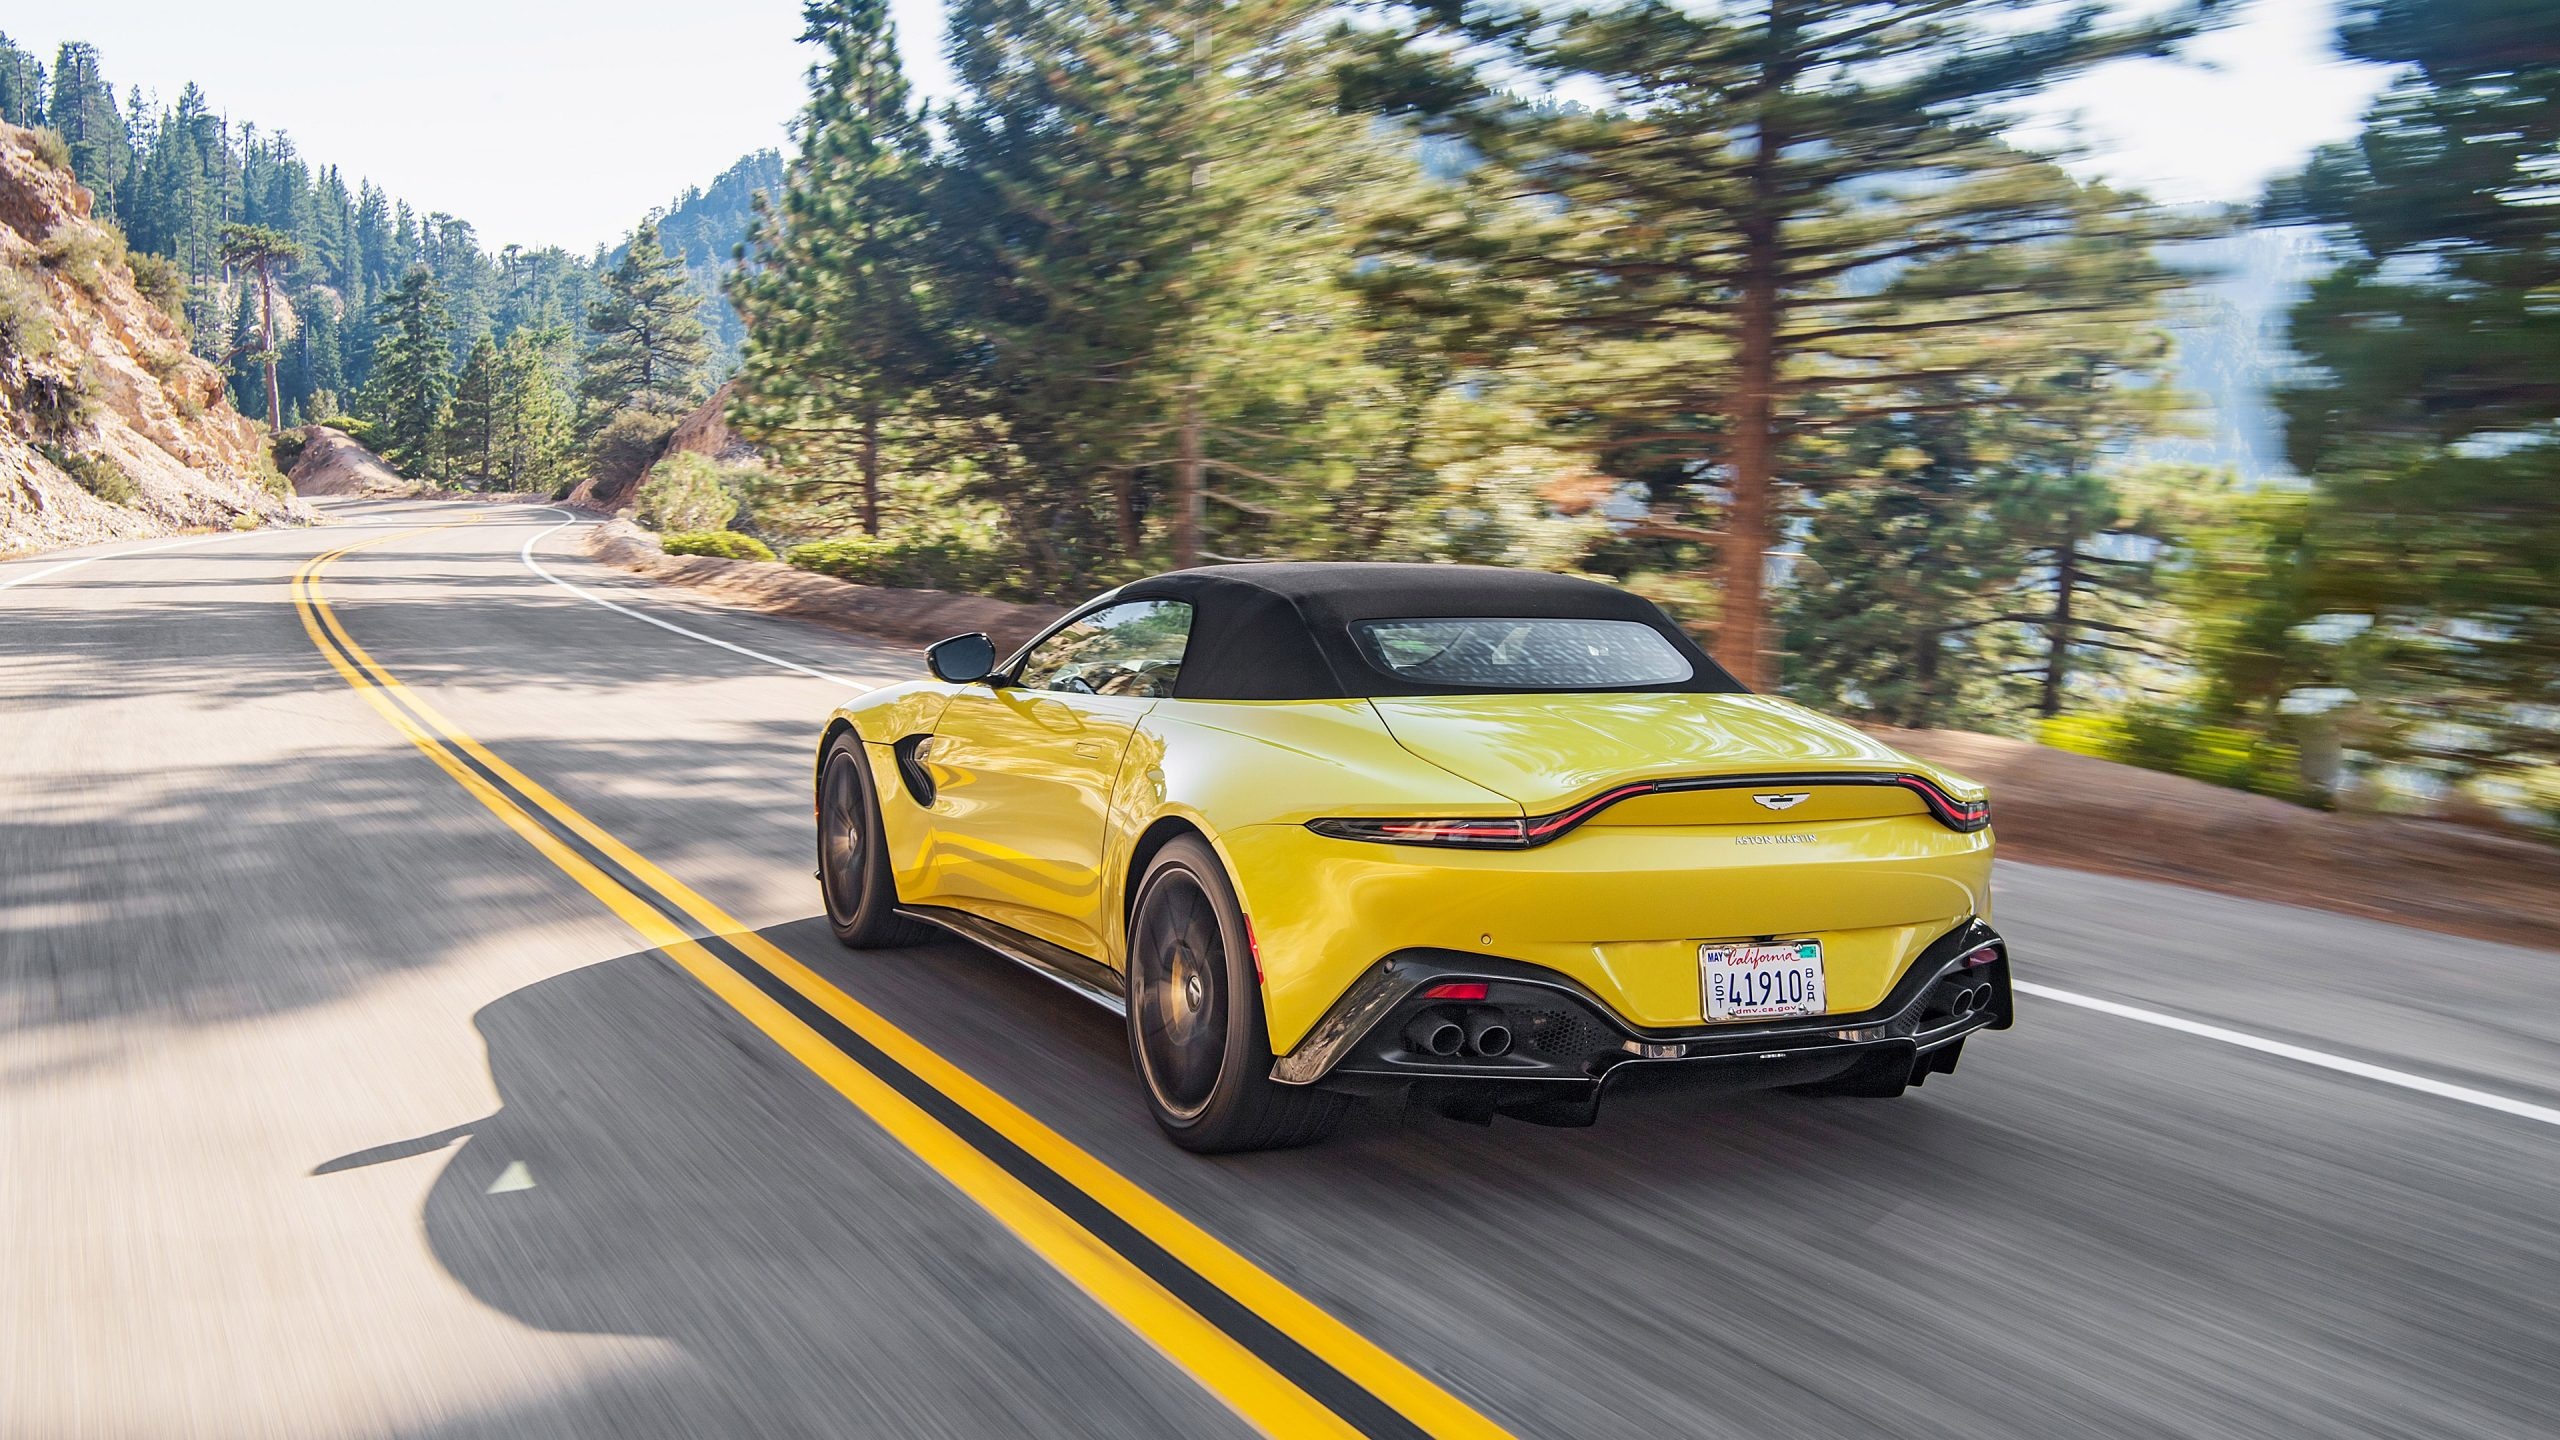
330,1107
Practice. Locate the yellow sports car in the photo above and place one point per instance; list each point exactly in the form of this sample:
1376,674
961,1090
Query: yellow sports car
1493,840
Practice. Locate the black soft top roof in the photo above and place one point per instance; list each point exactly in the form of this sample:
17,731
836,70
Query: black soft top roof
1281,630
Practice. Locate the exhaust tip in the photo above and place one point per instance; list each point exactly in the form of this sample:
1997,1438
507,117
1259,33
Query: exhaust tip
1487,1035
1435,1034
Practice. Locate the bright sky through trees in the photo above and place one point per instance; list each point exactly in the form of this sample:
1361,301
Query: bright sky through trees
600,110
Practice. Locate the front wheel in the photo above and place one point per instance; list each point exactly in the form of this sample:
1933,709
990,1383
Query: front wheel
1196,1030
853,860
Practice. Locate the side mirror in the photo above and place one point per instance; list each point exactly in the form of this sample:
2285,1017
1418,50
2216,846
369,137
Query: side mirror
961,659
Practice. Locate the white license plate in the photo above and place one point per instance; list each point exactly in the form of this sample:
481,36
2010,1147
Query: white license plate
1758,982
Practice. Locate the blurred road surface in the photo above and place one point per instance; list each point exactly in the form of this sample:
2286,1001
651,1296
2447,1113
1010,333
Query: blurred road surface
328,1107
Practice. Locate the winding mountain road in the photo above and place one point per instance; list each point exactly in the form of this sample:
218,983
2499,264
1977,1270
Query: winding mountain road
414,1020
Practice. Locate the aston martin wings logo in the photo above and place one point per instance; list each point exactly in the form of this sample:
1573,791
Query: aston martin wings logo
1787,800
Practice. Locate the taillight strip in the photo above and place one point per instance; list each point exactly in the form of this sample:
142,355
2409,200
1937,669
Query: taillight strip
1962,816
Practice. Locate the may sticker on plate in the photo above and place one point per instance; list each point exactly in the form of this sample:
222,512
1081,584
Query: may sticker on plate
1760,982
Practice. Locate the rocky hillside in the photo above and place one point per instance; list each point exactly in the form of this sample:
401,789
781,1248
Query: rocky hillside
109,427
704,432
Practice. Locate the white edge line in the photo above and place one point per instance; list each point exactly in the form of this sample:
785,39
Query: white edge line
526,555
2298,1053
31,576
34,575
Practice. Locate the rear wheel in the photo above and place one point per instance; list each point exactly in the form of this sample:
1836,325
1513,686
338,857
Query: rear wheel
1196,1030
853,861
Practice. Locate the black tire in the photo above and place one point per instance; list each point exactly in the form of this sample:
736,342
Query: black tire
853,860
1196,1033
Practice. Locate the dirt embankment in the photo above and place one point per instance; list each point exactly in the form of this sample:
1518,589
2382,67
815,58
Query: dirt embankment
334,462
109,427
2063,809
917,616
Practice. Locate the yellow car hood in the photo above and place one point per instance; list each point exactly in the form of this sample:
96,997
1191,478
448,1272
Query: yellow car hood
1546,751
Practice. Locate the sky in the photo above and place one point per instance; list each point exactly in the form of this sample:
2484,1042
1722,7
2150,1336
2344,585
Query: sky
562,122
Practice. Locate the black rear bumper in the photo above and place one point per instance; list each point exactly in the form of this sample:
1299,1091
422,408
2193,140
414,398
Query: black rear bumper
1567,1048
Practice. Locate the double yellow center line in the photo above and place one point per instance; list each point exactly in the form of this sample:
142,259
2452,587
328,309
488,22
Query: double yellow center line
1270,1354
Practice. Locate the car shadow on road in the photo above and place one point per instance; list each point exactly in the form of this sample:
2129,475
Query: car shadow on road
658,1168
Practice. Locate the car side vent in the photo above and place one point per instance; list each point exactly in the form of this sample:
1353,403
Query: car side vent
912,769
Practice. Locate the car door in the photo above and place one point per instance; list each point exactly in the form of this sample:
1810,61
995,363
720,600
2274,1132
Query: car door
1024,768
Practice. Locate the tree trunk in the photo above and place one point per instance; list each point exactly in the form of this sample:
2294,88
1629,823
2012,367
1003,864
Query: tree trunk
870,467
1742,642
267,345
1124,513
2057,660
1186,480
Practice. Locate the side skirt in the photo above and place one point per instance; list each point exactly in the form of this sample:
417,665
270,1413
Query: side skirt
1088,978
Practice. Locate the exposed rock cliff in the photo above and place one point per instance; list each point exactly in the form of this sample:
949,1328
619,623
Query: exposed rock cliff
109,428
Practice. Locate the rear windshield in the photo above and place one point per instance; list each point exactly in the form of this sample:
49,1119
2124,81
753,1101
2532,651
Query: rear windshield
1510,655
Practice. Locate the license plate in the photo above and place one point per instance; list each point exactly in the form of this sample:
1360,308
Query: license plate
1758,982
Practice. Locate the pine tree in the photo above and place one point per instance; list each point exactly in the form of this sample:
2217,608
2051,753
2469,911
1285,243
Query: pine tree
1755,175
648,345
470,441
83,109
262,251
832,296
325,379
21,85
246,396
1122,177
2427,413
412,375
534,417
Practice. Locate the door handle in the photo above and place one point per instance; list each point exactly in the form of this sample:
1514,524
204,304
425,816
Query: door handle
1092,749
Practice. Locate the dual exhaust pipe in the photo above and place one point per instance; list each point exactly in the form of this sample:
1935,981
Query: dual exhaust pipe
1477,1031
1966,1001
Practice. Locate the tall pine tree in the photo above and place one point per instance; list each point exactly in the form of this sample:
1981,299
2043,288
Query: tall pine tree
412,375
833,294
470,440
647,348
1754,178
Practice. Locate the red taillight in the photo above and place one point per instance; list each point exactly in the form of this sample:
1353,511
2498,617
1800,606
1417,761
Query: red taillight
1960,815
1981,955
1455,990
1464,834
1507,834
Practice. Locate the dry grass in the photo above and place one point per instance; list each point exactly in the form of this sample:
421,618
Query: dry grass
53,150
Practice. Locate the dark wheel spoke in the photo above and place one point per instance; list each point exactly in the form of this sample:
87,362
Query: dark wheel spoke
1181,1023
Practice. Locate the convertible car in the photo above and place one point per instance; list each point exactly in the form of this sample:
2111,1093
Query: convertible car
1494,841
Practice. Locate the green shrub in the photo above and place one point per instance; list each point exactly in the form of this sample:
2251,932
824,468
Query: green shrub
686,493
286,447
2176,742
623,451
928,562
96,474
52,149
82,254
26,330
164,365
726,544
58,398
360,431
272,480
161,282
